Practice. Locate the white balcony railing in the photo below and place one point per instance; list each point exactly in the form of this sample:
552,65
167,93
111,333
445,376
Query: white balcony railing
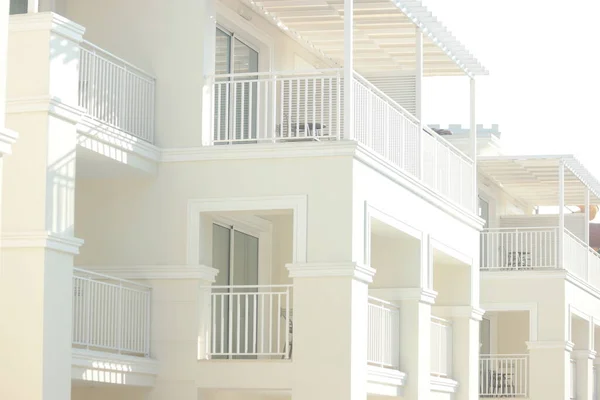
116,93
441,347
519,248
505,375
383,336
251,322
538,248
110,314
300,106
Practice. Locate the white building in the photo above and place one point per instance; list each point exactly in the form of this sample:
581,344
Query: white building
264,213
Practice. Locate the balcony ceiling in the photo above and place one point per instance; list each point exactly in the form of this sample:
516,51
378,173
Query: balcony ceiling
534,179
384,37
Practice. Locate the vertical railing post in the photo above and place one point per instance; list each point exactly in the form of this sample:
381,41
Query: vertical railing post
120,318
349,69
338,102
287,325
148,317
473,143
561,213
88,313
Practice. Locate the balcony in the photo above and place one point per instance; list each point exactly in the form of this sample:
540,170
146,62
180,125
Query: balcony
383,335
294,106
503,375
518,249
110,314
118,97
441,347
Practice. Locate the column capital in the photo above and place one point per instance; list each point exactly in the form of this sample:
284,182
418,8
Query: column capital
362,273
422,295
7,139
43,239
546,345
584,354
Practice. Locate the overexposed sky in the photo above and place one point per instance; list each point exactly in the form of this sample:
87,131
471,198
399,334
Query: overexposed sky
544,82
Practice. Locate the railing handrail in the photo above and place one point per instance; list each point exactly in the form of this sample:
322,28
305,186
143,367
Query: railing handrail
100,276
441,321
248,286
522,228
377,301
107,54
449,145
503,355
271,74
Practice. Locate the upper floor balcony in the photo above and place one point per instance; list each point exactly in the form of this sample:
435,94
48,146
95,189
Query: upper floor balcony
558,240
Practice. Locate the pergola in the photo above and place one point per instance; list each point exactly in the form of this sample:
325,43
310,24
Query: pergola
544,180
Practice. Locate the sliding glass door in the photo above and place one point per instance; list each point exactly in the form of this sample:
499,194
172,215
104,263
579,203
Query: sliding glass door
237,96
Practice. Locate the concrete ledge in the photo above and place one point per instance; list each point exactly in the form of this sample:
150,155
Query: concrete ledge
244,374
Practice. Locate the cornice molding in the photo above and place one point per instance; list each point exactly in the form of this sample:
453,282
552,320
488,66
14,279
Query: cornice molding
353,270
157,272
422,295
41,239
47,21
7,139
444,385
548,345
385,376
49,104
584,354
474,313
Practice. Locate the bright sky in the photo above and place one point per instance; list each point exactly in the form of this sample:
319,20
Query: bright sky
544,81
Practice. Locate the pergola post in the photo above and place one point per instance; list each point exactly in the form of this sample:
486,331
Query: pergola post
473,141
586,222
348,69
419,94
561,212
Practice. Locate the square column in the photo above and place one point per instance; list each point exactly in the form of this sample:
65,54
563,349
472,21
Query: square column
38,243
549,370
465,351
330,303
584,384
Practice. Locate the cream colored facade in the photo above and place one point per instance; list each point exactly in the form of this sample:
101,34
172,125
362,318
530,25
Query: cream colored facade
238,200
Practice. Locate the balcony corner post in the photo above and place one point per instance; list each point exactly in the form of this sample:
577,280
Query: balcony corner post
419,96
473,142
561,213
348,70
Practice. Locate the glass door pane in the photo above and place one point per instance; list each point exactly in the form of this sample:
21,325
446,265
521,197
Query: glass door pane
221,261
18,7
222,86
245,61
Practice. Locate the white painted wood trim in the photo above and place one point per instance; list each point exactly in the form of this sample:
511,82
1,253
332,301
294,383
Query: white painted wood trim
385,376
48,21
531,307
7,139
422,295
443,385
52,105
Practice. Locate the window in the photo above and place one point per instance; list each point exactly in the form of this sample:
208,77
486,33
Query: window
18,7
238,96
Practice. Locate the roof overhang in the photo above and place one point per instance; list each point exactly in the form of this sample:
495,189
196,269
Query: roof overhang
384,36
534,179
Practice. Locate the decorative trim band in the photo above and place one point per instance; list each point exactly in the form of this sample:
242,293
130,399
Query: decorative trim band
584,354
385,376
157,272
7,139
41,239
422,295
354,270
546,345
51,105
443,385
47,21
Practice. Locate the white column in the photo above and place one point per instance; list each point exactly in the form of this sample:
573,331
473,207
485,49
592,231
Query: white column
330,331
465,351
38,211
586,222
561,213
7,137
473,142
179,326
348,69
582,333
